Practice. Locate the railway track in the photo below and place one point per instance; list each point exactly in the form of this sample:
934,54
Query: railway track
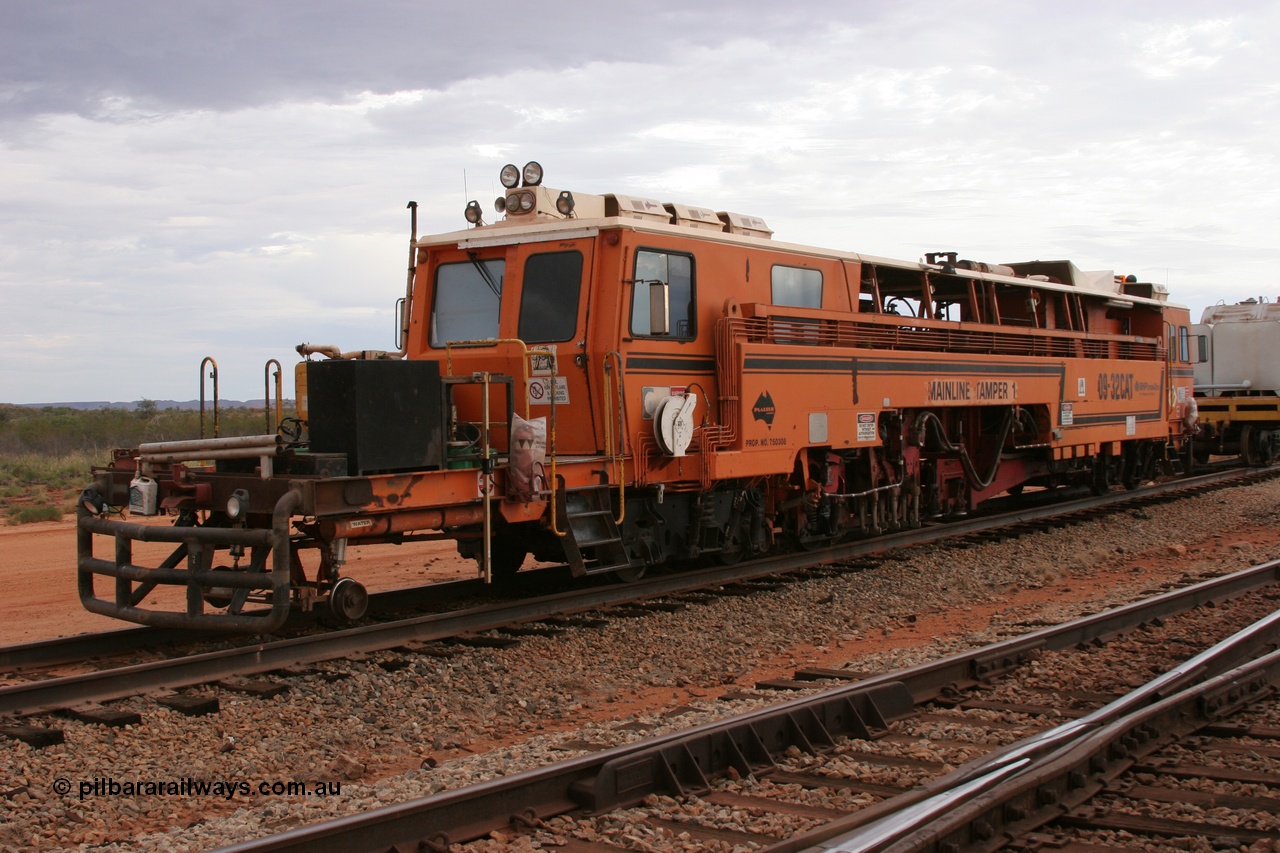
28,657
1166,761
234,664
1045,739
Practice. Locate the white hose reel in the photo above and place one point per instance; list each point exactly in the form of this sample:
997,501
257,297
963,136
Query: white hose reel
673,424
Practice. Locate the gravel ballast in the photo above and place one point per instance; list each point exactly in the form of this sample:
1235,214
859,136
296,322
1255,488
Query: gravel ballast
442,722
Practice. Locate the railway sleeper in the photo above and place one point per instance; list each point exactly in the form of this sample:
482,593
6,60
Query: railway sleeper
33,736
1092,818
103,715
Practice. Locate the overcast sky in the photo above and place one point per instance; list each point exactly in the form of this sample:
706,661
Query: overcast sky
229,179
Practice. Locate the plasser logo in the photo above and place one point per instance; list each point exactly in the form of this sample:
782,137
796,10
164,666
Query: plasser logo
763,409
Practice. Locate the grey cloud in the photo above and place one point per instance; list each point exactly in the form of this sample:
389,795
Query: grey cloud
224,54
239,196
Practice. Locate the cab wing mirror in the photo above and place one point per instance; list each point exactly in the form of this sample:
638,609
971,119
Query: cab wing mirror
659,307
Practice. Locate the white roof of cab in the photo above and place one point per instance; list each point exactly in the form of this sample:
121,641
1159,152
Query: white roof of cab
1100,282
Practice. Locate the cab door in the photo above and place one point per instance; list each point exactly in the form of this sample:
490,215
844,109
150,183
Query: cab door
666,343
554,286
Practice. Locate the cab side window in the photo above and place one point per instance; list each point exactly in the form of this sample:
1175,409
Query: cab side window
677,271
797,287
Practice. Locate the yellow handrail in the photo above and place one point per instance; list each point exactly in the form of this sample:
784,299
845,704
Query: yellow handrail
526,354
618,458
486,473
524,361
551,446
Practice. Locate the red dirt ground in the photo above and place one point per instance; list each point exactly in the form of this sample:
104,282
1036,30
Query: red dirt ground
40,602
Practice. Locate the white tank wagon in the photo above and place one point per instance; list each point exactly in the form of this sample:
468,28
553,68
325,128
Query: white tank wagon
1237,380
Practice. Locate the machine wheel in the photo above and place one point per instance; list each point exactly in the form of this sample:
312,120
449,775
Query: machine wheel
1248,445
630,574
506,557
1256,446
221,596
1198,454
217,596
348,601
730,556
1133,464
1102,479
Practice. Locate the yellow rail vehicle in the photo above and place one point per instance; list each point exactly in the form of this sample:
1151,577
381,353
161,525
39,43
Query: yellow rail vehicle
617,383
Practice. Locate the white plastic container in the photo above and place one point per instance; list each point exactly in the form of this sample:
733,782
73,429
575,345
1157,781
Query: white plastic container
143,492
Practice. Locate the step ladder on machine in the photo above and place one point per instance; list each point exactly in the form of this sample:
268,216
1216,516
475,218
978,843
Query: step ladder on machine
592,541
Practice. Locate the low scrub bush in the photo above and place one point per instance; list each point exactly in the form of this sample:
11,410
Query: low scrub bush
59,431
32,514
46,453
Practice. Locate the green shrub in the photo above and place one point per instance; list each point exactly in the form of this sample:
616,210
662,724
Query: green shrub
48,452
31,514
60,431
67,471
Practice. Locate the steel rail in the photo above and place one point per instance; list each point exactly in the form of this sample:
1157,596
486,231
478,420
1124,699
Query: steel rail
119,682
81,647
1102,745
680,762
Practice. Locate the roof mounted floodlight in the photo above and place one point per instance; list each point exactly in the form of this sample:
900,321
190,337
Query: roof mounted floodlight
521,202
564,203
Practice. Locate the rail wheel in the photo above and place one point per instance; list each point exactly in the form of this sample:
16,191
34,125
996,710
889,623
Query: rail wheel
1256,446
1103,476
505,557
1199,454
630,574
348,601
218,596
730,554
1133,464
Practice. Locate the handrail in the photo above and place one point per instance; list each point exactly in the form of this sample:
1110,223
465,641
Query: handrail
486,480
213,374
526,354
552,481
266,398
484,342
821,327
619,459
